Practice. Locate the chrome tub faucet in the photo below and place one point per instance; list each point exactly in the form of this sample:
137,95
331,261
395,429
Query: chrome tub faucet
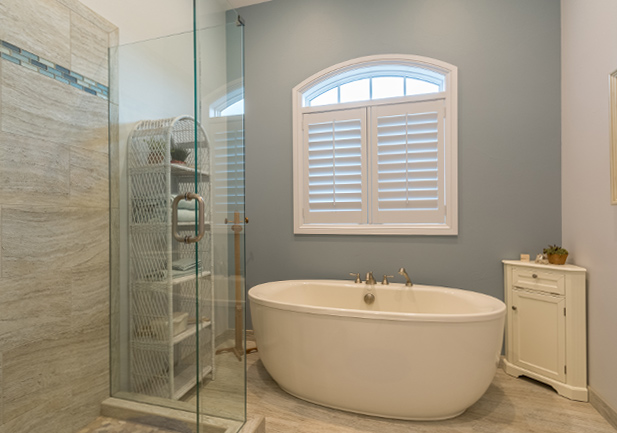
370,279
403,272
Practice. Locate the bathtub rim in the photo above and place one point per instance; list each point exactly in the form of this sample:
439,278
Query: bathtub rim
497,313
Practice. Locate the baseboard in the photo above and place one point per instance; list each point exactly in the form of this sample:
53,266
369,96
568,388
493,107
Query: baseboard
603,407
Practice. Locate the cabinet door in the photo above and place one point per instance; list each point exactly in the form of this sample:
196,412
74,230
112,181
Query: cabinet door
539,333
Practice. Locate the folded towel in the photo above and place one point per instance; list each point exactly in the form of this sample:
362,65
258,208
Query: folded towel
184,204
183,264
186,216
177,273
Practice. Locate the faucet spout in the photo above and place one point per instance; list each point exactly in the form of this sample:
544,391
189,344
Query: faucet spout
370,279
403,272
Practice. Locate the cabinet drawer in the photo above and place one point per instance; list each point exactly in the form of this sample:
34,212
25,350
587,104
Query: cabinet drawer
540,280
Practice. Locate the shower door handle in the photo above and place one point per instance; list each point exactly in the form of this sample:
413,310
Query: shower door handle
201,220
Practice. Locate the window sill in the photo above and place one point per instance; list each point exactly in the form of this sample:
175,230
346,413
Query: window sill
377,229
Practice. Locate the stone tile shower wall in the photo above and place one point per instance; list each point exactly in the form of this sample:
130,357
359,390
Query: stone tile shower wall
54,215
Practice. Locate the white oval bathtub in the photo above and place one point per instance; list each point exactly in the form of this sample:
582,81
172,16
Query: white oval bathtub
416,353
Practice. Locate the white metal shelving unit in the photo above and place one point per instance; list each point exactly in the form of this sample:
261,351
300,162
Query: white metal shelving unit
164,358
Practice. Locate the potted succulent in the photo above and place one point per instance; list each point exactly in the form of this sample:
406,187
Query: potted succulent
178,155
556,255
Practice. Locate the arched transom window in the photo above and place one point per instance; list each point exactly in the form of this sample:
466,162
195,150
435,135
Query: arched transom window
375,148
374,82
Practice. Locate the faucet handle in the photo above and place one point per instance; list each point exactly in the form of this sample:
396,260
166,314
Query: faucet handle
385,281
357,275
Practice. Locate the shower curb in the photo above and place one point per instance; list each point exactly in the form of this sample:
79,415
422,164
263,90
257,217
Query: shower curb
181,421
254,425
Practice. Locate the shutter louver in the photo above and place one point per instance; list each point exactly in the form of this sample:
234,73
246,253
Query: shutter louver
228,163
408,173
335,167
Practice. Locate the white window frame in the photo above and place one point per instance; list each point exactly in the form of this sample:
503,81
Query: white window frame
450,105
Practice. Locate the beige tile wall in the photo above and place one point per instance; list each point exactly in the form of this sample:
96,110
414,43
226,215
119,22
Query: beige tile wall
54,222
30,24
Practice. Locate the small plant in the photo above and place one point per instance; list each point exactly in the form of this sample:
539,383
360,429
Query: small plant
179,154
554,249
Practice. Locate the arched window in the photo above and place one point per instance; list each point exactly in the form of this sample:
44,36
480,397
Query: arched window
375,144
231,103
374,82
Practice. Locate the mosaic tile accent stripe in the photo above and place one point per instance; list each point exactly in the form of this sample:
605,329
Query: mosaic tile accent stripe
35,63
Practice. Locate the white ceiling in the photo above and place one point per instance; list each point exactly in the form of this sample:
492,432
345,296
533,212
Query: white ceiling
140,20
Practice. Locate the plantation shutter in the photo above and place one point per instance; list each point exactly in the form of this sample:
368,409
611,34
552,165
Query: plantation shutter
408,167
335,167
227,135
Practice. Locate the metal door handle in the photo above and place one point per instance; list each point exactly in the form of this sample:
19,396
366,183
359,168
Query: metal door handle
201,220
514,307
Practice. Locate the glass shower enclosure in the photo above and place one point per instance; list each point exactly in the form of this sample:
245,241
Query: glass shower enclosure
177,236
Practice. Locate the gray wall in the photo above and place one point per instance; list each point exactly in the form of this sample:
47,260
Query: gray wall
589,221
508,55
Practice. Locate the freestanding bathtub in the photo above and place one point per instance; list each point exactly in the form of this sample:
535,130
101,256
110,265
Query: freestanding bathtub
416,353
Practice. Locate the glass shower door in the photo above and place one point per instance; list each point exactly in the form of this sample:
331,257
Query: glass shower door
220,108
177,184
165,329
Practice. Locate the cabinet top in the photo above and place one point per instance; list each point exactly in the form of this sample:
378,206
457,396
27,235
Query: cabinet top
566,268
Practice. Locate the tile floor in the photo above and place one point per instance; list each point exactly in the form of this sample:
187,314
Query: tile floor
509,406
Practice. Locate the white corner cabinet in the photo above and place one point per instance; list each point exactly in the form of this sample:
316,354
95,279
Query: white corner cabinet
546,326
171,310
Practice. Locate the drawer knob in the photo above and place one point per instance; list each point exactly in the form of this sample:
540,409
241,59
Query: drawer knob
514,307
534,275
